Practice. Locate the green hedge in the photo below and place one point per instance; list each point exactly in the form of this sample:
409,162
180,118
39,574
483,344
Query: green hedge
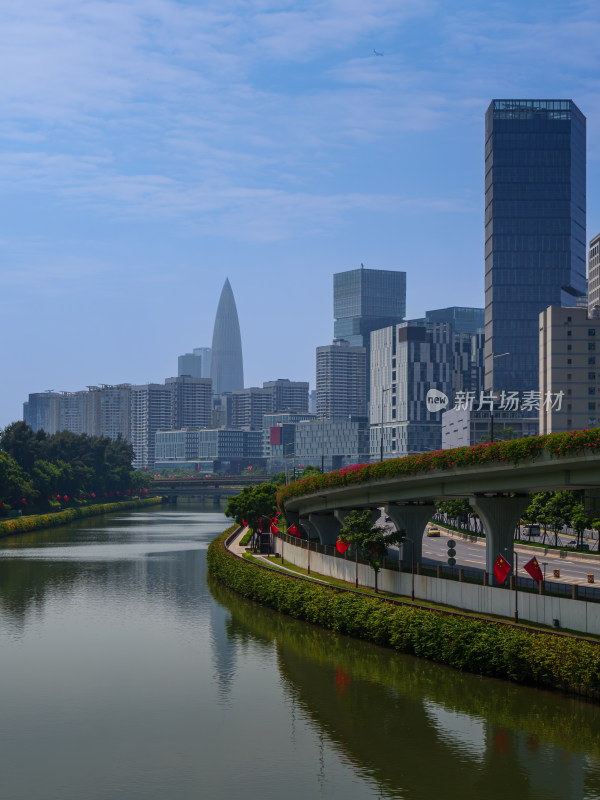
36,522
474,645
513,451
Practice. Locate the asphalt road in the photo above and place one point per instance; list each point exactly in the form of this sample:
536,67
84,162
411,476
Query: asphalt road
471,555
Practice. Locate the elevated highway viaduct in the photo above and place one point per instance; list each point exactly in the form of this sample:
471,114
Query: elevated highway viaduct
497,491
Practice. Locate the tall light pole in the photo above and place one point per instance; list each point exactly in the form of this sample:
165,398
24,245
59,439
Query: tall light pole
383,391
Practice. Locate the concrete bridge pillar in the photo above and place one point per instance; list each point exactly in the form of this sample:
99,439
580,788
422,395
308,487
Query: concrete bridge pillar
411,518
309,529
326,525
500,516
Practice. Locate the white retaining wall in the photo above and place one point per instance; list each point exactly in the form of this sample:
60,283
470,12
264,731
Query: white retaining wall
578,615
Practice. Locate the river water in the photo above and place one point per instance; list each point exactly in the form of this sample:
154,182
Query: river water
125,674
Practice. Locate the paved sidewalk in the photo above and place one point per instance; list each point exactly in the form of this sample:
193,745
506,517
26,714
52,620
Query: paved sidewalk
238,550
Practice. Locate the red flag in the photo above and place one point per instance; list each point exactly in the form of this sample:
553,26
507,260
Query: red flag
501,569
341,546
293,530
244,523
274,528
533,568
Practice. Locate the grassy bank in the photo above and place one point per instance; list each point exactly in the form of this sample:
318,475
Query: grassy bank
36,522
473,645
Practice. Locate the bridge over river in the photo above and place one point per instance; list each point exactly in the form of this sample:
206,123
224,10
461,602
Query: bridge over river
202,486
498,491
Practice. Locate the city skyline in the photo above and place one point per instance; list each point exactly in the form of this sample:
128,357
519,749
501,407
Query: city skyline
144,163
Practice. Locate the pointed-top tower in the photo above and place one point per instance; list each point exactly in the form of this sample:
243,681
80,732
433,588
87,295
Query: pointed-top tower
227,366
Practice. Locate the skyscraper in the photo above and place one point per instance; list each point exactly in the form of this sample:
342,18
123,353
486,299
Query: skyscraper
227,368
366,300
535,243
341,380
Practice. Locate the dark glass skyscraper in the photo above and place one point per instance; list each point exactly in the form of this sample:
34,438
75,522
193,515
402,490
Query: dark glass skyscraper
227,367
366,300
535,242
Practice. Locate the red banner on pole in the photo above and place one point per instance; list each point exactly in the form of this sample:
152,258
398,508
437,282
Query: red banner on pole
533,568
293,530
501,569
341,546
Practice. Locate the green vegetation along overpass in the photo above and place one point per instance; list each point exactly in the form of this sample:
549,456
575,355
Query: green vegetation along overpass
497,491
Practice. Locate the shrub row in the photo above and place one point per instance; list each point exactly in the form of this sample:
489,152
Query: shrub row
473,645
510,452
36,522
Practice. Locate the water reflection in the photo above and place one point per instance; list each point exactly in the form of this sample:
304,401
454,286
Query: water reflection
129,679
157,555
420,730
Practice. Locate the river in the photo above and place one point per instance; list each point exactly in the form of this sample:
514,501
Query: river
125,674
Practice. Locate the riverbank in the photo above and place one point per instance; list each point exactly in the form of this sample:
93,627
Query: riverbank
36,522
472,645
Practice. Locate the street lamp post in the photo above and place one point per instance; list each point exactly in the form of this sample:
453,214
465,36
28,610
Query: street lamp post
383,391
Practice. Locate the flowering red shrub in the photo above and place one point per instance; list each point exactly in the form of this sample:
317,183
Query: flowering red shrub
511,452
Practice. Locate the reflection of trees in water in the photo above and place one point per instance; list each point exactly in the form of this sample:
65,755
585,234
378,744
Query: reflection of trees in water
410,723
177,579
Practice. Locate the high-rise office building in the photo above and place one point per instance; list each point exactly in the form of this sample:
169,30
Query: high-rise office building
196,364
407,361
248,406
109,409
227,368
365,300
191,402
341,380
569,370
594,277
535,244
150,412
41,411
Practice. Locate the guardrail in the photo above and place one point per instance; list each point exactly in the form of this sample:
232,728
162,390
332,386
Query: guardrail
462,574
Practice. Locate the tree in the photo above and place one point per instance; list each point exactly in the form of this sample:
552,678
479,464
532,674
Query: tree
253,504
15,483
311,470
371,541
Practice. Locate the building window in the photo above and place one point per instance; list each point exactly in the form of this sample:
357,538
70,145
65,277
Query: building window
569,407
569,347
591,360
591,376
591,331
591,345
568,319
569,423
591,390
591,406
569,333
569,376
569,360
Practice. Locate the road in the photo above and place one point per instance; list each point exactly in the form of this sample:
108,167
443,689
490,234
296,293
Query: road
471,555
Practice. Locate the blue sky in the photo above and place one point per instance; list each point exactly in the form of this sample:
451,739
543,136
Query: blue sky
152,148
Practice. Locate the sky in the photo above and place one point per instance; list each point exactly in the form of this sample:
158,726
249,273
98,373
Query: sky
152,148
